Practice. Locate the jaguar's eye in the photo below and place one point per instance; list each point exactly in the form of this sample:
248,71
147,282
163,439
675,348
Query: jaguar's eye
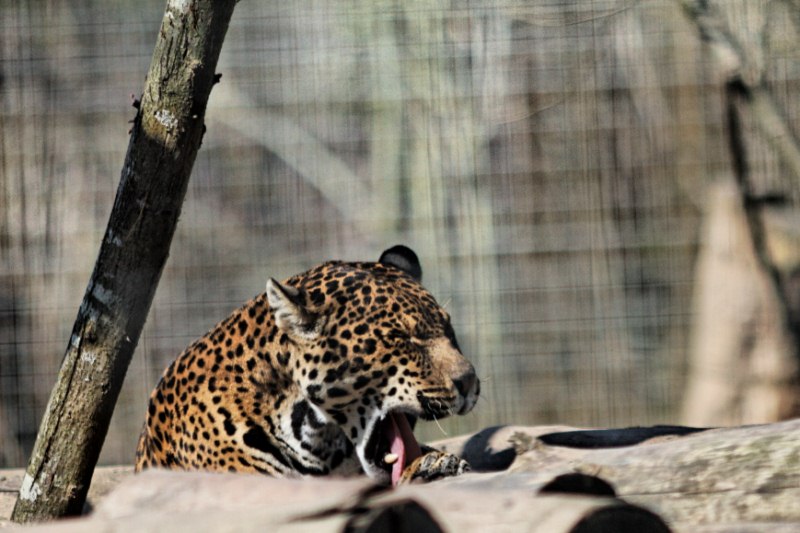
396,335
421,337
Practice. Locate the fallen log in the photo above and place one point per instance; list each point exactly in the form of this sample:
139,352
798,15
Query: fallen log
688,476
182,501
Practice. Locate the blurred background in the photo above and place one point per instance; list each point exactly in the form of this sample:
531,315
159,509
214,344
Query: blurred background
603,193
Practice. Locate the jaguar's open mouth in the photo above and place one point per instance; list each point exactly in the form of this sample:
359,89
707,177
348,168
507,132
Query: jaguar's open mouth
392,445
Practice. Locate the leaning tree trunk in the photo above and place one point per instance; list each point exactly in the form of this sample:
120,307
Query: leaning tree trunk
164,141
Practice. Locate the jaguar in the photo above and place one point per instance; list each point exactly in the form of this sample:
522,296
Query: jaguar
325,373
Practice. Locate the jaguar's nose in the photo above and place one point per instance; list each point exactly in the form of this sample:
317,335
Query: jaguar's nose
468,386
465,383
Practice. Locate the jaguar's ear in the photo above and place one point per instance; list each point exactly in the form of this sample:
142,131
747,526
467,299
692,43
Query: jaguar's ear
405,259
288,307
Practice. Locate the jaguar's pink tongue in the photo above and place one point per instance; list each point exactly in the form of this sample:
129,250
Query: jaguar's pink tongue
401,443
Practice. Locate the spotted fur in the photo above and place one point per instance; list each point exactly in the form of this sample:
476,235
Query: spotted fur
299,379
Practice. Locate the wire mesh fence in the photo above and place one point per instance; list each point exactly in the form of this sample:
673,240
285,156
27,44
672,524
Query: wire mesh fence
548,162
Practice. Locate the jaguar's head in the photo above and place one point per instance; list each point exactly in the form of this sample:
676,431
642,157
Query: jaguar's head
372,350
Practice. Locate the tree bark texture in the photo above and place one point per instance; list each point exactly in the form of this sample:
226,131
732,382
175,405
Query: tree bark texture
688,476
165,138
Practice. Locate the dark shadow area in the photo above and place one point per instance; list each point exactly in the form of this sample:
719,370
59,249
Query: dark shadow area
613,438
479,454
627,519
578,484
406,516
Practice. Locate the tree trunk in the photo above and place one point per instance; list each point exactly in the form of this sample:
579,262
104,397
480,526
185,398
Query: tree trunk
765,161
165,138
742,362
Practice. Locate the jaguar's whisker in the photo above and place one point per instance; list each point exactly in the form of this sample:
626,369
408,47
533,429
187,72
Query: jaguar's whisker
440,427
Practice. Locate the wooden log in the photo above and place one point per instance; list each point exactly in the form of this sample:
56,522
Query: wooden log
202,501
732,475
245,503
364,506
690,477
184,501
